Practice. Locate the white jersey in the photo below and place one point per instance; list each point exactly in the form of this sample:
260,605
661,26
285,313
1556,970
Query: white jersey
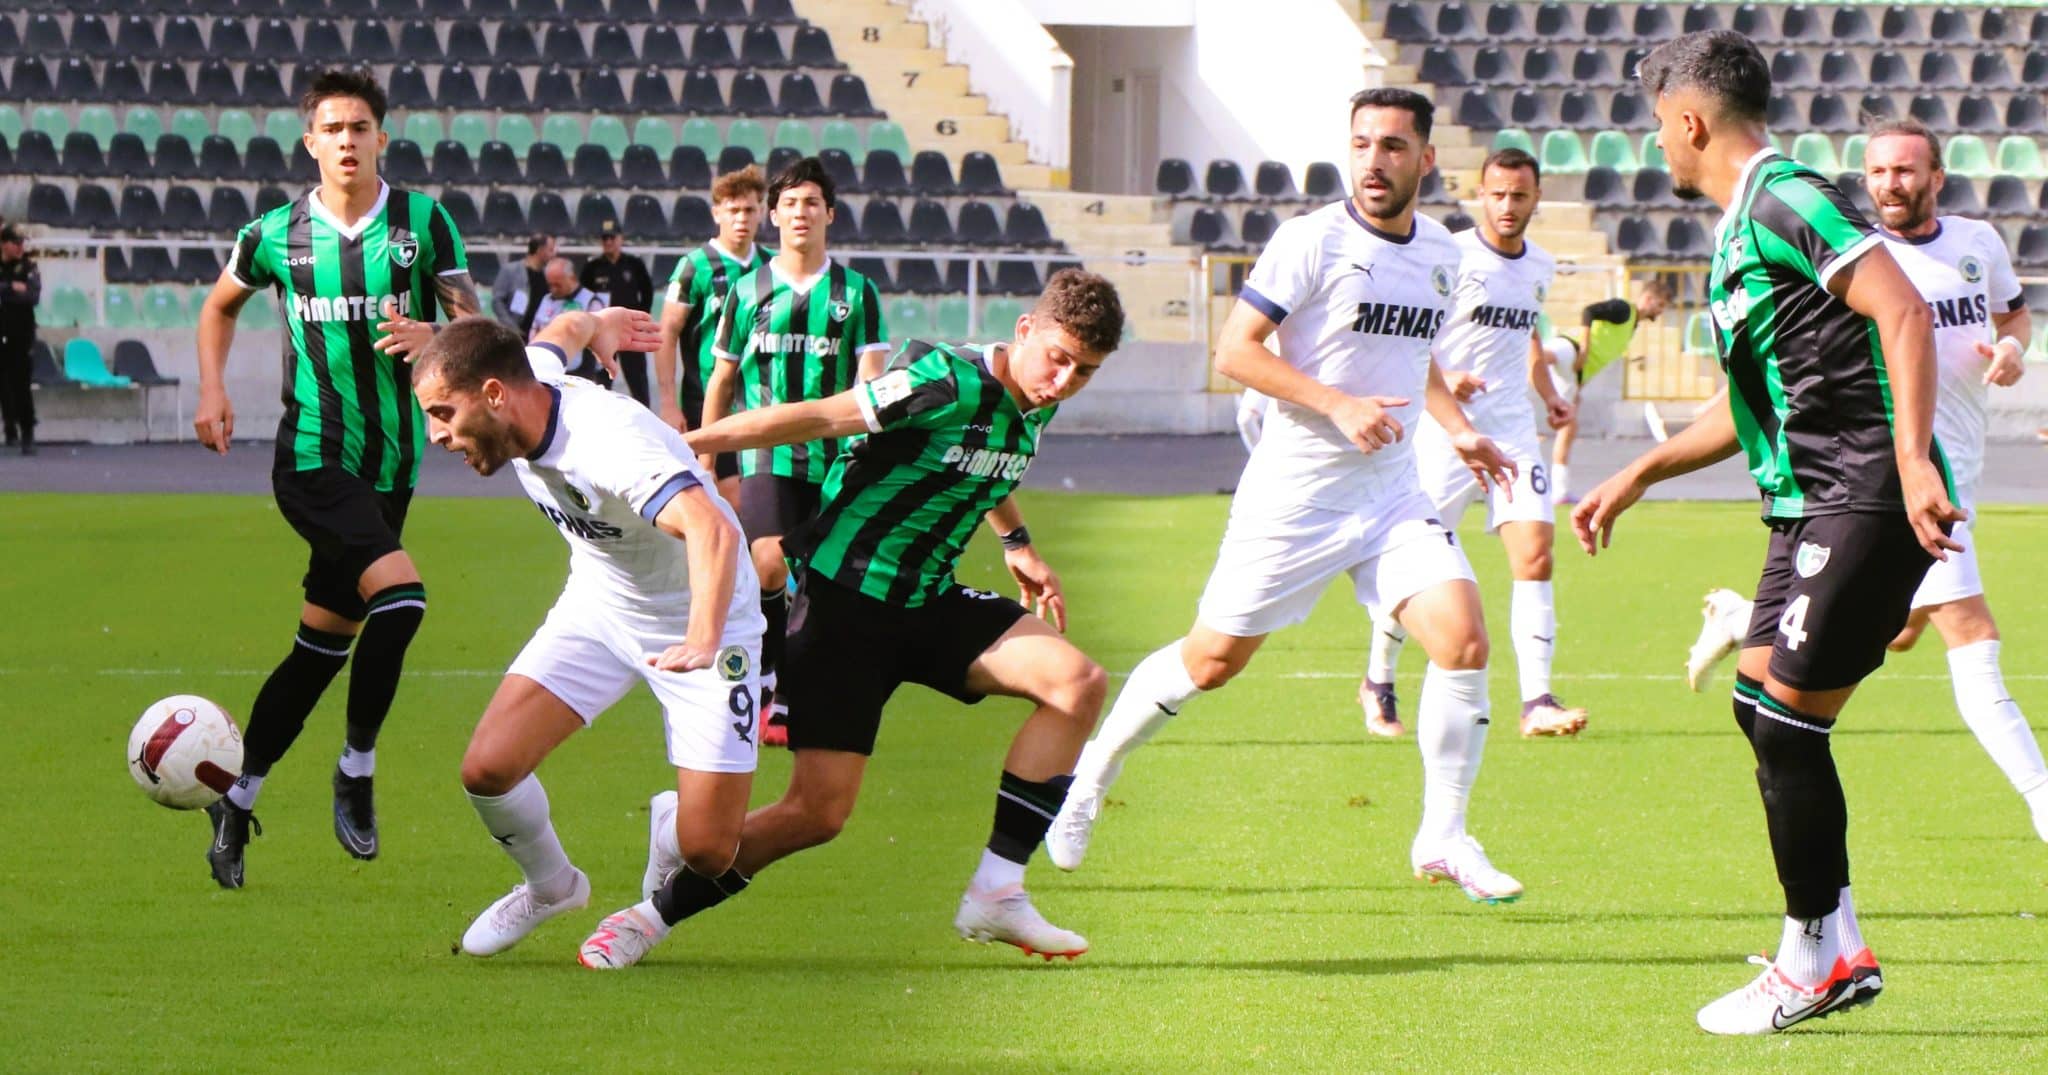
1357,310
1966,276
1493,318
604,469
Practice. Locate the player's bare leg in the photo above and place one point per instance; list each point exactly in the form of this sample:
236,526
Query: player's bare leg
1967,627
1203,661
1532,624
523,724
695,829
1450,727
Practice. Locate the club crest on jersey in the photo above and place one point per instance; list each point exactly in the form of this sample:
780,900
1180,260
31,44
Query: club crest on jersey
841,310
1542,293
1971,268
404,249
1441,279
1811,559
576,497
732,664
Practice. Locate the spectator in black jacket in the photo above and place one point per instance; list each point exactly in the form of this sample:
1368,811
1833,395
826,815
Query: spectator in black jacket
21,287
621,279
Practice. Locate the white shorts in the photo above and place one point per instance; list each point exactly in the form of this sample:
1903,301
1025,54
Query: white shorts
1954,578
1272,568
1452,488
590,659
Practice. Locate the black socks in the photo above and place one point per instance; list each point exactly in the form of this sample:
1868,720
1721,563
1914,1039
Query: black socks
394,618
1803,806
1024,810
291,692
689,892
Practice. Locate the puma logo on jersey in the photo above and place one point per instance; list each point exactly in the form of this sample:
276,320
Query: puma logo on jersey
790,343
987,463
1505,317
1389,319
587,529
319,308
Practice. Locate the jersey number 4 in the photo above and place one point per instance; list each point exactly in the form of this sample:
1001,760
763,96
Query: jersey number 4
1792,625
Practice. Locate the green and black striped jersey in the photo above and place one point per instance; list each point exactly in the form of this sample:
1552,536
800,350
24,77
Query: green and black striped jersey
794,344
946,444
1807,382
700,282
346,405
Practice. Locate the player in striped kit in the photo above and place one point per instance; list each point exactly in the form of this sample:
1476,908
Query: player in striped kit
949,433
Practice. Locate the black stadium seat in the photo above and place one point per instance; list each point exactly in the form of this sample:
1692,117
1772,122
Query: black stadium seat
1975,112
503,215
516,44
593,167
263,160
1224,179
547,212
688,169
760,47
553,84
734,158
780,158
701,93
883,174
261,84
1258,226
1024,225
506,90
660,47
812,48
640,169
1175,178
979,225
451,163
1604,188
455,87
564,45
645,218
881,223
404,165
931,174
227,209
692,220
651,91
798,96
121,80
182,210
598,88
371,42
545,166
82,155
610,43
749,95
595,212
127,156
462,212
710,46
839,165
929,224
850,97
92,208
407,87
218,158
981,174
173,158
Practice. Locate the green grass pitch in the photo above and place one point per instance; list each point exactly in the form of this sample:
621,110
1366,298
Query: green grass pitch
1248,897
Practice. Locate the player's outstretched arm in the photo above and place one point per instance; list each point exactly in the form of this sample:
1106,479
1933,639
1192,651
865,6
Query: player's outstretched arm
1038,585
783,423
604,333
1482,457
714,566
1874,286
456,292
1708,440
673,317
214,421
1242,356
1558,410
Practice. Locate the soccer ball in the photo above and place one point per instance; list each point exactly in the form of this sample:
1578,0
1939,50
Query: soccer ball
185,752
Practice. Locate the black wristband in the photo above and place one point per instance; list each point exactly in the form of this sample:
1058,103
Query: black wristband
1019,538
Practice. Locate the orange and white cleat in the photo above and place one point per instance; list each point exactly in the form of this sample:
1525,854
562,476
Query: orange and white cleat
1548,716
1864,974
621,940
1772,1002
1007,916
1382,709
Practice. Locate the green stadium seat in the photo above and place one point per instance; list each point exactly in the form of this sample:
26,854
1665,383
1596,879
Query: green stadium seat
1852,152
1699,333
283,126
236,126
883,134
1613,149
517,131
10,124
843,136
1817,151
909,318
2021,156
563,131
472,129
1651,155
145,123
194,126
84,363
98,121
1514,138
749,134
121,311
195,301
796,134
1563,153
163,307
425,130
260,312
703,134
64,306
392,127
52,121
999,318
952,317
609,132
655,133
1968,156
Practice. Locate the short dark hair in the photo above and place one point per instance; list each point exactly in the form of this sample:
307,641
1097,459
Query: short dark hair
1388,97
807,170
1086,305
343,82
536,241
1722,64
1877,127
1513,159
471,350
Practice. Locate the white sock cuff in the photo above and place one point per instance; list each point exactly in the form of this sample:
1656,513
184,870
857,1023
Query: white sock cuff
1974,657
1168,673
1467,684
527,792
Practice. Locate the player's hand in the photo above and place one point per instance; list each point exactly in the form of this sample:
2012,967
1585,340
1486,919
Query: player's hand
672,416
684,656
622,329
404,337
1559,411
1038,586
1598,509
1364,421
214,421
1928,507
2007,363
1485,460
1464,385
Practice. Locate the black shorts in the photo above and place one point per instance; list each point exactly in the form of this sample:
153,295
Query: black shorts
772,505
725,464
847,653
348,524
1835,590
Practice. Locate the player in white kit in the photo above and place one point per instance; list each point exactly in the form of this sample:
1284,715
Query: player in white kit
1355,293
659,592
1492,360
1964,272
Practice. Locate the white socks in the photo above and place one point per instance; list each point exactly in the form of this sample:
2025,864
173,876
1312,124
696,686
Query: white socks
518,820
1385,655
1996,719
996,872
1850,936
1532,622
1153,695
1560,480
243,792
358,763
1450,727
1809,949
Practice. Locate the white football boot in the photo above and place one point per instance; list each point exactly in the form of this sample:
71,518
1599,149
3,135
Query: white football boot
621,940
516,914
1006,915
1463,862
1717,640
1772,1002
661,816
1066,840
